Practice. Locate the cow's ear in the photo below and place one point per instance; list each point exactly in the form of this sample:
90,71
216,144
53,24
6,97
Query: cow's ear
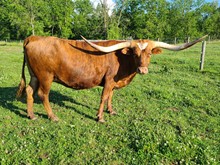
127,51
156,51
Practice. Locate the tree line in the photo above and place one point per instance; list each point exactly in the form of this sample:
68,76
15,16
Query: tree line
127,19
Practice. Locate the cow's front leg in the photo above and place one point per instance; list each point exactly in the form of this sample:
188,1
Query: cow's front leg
100,117
105,96
110,109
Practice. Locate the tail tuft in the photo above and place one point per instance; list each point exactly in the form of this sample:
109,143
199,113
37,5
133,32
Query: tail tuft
21,89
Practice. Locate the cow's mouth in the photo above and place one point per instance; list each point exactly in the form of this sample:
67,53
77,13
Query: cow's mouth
142,70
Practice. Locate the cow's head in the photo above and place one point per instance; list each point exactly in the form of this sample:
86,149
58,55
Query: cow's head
142,50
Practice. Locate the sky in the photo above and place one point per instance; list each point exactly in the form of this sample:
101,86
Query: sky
111,3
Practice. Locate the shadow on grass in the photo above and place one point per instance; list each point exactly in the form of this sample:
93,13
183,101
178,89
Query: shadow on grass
7,97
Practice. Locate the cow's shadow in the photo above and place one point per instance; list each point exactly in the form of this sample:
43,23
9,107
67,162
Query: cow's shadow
8,94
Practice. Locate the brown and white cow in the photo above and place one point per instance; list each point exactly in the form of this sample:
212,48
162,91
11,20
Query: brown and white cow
84,64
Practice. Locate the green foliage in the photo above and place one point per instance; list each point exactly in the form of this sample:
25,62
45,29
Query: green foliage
84,19
27,17
114,32
170,116
4,22
136,19
58,17
210,23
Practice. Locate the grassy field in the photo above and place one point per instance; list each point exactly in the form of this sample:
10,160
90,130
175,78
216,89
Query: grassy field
170,116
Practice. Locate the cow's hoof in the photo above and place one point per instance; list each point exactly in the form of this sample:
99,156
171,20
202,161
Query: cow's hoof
54,118
101,120
32,117
113,113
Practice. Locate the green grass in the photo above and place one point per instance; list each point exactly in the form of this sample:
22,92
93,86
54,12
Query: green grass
170,116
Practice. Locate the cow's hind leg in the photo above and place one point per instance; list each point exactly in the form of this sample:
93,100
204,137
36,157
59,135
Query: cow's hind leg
30,90
43,92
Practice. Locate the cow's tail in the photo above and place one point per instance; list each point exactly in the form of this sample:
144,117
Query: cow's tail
22,85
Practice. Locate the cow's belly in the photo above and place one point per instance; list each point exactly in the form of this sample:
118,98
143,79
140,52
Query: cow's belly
80,81
82,74
85,83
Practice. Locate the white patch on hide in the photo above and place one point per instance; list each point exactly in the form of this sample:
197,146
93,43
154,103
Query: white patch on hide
142,46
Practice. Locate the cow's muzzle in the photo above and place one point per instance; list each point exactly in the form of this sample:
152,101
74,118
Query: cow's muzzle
142,70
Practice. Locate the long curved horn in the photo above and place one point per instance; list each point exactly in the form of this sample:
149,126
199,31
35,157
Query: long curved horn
109,48
176,48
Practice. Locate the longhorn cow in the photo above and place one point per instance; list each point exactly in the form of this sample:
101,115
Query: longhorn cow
84,64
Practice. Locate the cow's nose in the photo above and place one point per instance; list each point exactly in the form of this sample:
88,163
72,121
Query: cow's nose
142,70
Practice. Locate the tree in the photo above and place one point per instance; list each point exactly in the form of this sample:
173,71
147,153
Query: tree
58,18
156,19
4,21
30,17
103,22
114,30
26,17
183,18
141,19
82,19
209,22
